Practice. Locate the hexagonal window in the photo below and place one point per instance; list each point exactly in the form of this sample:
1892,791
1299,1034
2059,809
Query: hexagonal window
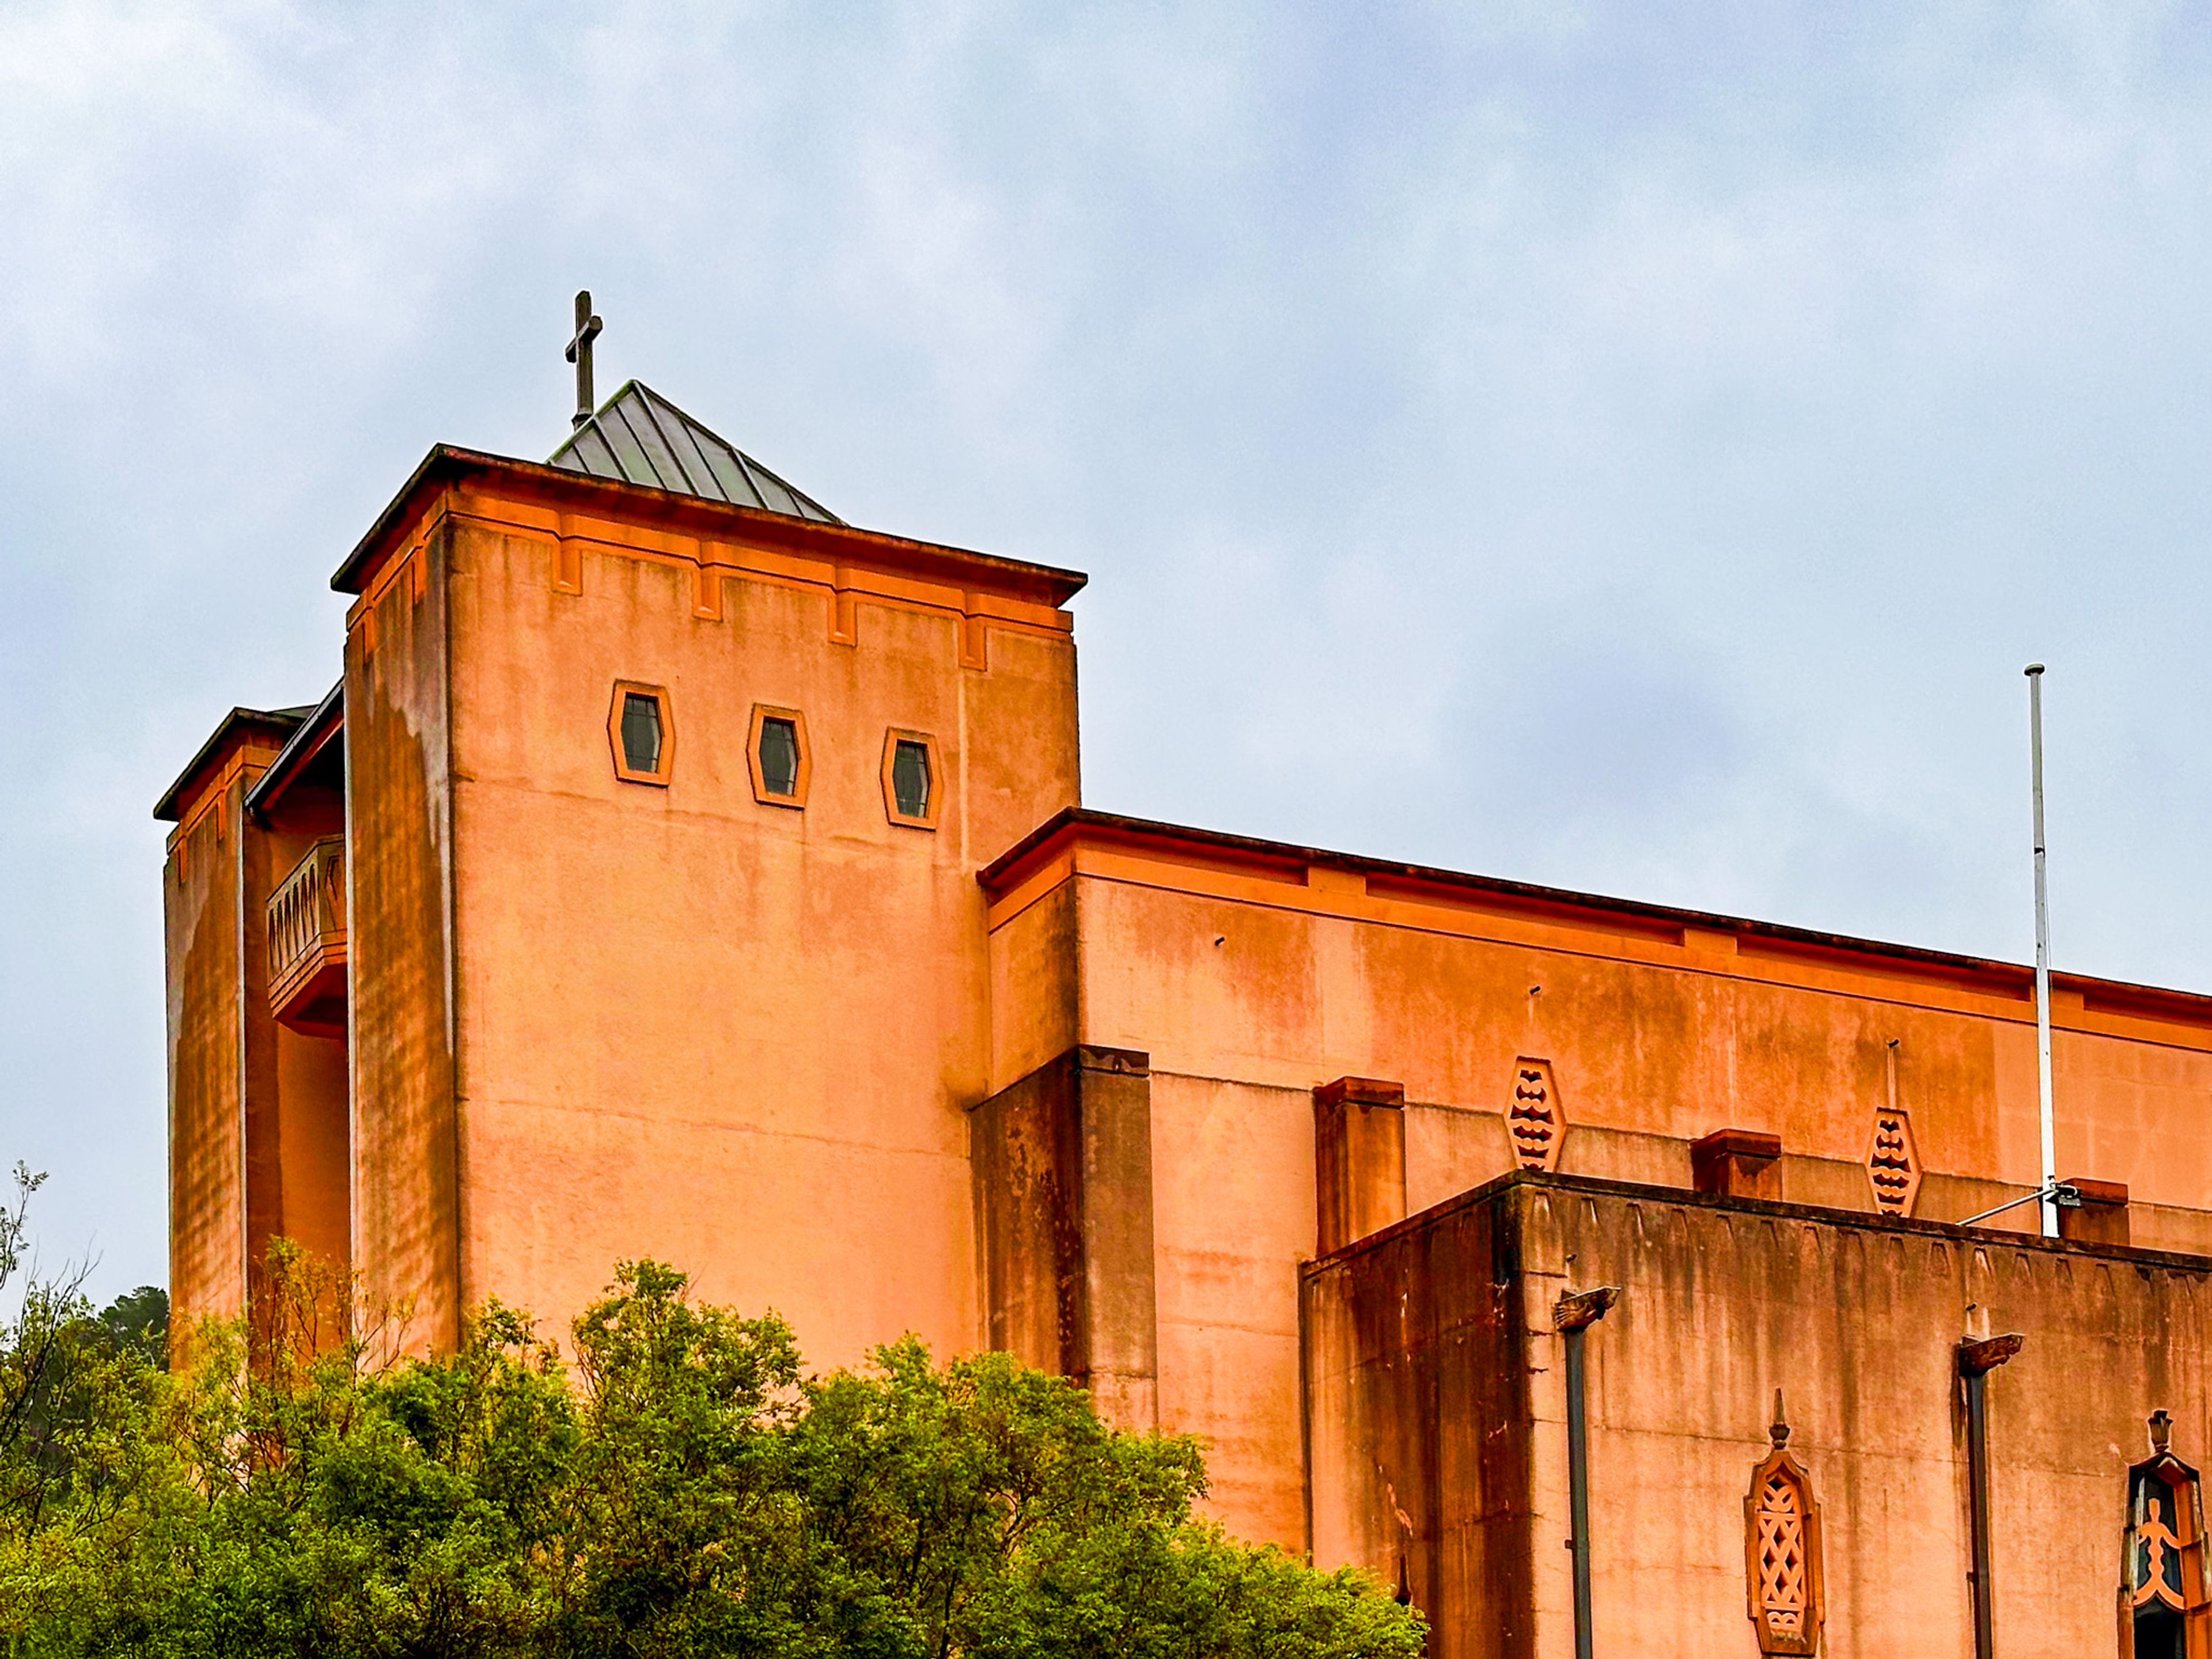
913,785
777,756
641,733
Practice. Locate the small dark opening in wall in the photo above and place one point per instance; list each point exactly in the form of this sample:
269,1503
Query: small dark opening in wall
779,757
910,778
2159,1634
640,731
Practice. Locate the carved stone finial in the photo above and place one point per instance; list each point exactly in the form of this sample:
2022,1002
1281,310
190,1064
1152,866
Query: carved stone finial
1979,1358
1580,1308
1778,1431
2161,1431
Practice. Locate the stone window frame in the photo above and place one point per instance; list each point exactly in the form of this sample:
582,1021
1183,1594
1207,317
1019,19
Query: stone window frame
2189,1507
763,714
1894,1167
1535,1135
938,781
1778,1463
660,775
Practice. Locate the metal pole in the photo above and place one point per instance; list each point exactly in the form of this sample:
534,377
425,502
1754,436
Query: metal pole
2066,1196
2048,1122
1578,1490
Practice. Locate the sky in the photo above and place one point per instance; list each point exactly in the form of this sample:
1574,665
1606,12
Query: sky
1630,447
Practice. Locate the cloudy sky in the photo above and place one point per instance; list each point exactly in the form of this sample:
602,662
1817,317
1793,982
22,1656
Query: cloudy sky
1628,447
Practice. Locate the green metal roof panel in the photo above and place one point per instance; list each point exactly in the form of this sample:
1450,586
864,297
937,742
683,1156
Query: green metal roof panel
638,437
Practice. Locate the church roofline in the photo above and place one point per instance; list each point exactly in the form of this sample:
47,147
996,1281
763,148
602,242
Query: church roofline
1636,1192
280,722
1183,844
307,740
640,437
447,465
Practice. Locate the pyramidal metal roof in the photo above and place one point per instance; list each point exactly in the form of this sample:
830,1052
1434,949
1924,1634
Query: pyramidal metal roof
638,437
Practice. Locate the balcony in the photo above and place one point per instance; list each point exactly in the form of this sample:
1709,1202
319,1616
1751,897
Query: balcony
307,943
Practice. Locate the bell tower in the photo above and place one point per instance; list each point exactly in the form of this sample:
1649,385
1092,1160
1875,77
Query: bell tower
668,793
628,886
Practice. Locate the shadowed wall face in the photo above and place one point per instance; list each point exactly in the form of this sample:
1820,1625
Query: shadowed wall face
300,1151
1063,1173
222,1052
1359,1160
200,899
1857,1322
1420,1425
399,848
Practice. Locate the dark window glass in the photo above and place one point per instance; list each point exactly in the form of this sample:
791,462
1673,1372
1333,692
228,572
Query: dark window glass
2156,1584
640,731
2159,1634
910,778
779,757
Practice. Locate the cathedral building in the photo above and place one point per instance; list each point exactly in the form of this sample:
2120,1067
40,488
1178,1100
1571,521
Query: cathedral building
677,871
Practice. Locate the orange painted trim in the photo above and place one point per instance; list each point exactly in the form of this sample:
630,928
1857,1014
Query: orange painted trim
706,589
937,585
210,792
252,729
407,564
1045,879
935,804
660,775
974,635
798,567
708,562
330,953
322,729
1203,872
763,713
445,466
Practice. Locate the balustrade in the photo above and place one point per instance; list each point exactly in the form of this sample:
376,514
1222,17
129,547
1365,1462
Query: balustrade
307,941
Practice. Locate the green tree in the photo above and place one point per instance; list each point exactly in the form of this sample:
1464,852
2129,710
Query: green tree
684,1489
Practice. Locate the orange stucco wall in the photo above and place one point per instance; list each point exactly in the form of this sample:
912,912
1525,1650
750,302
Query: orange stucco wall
1856,1319
594,1017
1249,983
686,1023
199,892
225,1052
297,1156
406,1200
258,1145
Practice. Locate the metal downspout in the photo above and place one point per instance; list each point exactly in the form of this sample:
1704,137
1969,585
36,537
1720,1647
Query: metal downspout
1976,1361
1572,1316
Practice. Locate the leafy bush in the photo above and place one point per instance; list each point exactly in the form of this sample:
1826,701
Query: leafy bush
684,1489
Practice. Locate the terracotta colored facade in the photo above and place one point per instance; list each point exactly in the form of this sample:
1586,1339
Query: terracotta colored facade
1292,1150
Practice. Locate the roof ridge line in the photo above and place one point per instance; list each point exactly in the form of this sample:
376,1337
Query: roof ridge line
597,450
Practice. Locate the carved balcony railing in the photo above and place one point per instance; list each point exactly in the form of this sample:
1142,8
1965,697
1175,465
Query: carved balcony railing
307,942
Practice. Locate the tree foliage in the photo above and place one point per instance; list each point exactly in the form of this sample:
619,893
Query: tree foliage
681,1487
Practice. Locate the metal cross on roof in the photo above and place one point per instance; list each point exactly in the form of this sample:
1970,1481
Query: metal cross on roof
580,352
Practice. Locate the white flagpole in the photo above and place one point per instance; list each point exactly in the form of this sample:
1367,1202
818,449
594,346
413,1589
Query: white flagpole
2049,1206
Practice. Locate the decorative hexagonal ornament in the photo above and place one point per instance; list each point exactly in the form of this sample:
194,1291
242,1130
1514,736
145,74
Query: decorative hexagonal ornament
1893,1161
1536,1122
